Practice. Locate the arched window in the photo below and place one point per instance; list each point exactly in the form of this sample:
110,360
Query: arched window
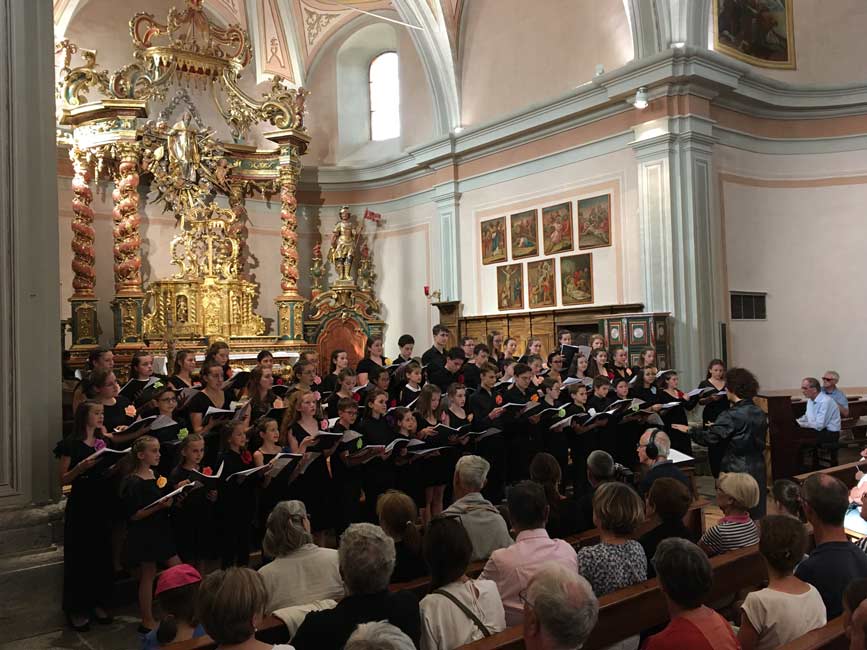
384,97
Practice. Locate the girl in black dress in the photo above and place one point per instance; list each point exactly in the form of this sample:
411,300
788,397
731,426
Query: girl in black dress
347,471
434,470
619,366
219,352
87,568
373,357
236,498
674,417
396,514
193,513
274,489
118,410
410,391
149,531
456,417
645,359
212,395
183,370
406,477
262,398
345,384
300,428
644,388
714,406
510,349
375,428
555,442
339,361
596,367
305,375
495,346
166,429
101,359
534,348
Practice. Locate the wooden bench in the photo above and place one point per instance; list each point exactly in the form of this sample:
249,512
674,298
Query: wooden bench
845,473
628,612
272,630
830,637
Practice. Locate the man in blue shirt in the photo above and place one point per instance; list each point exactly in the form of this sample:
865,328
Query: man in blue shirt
829,387
822,415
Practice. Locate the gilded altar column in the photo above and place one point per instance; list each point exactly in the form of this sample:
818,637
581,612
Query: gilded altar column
290,303
128,302
85,327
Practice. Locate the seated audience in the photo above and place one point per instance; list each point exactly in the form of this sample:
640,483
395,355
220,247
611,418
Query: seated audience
482,521
512,567
835,561
600,469
669,501
563,512
686,578
457,610
177,593
788,607
829,387
366,556
822,414
378,636
397,514
735,495
231,607
300,572
855,614
785,499
653,449
560,609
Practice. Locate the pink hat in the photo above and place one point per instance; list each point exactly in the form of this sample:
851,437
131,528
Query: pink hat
177,576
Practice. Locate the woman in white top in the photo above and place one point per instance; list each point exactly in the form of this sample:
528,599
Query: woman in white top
458,610
788,607
301,572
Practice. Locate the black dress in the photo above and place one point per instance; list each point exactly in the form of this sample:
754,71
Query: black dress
87,566
519,440
260,408
367,365
192,519
270,495
315,488
200,403
433,470
579,449
492,448
712,410
407,565
555,443
378,474
332,402
676,415
149,539
348,481
236,506
329,383
115,414
179,383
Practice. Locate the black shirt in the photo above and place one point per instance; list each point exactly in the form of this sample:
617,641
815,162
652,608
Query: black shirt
472,375
330,629
441,377
407,565
433,357
830,568
665,469
480,404
367,365
651,539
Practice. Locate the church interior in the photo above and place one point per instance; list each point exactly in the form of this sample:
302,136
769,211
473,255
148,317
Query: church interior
297,180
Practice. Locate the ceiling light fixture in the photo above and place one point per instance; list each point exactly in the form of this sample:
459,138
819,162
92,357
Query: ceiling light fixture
640,98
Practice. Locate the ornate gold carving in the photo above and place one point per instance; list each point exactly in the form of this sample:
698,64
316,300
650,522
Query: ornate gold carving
317,271
84,258
85,316
129,310
127,240
344,239
288,181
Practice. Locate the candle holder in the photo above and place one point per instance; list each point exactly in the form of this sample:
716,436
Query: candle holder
432,296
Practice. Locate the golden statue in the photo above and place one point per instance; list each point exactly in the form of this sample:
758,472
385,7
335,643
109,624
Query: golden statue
344,238
183,147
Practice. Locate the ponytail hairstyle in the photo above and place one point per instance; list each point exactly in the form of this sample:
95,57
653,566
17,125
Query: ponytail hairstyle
180,357
545,470
255,441
180,605
136,361
334,354
397,415
129,463
206,369
343,374
192,437
94,356
215,348
372,393
425,398
788,494
397,514
95,380
226,431
79,422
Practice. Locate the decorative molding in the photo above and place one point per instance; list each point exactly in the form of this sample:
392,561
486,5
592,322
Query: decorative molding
316,24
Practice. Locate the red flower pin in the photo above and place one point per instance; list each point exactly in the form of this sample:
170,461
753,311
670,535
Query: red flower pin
356,397
498,400
208,471
246,457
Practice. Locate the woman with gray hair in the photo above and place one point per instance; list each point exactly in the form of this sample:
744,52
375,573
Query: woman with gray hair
366,563
301,572
378,636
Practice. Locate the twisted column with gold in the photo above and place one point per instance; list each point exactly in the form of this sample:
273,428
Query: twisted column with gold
128,302
85,327
290,304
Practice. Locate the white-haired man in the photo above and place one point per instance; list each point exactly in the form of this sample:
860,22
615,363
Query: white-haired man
560,609
482,521
653,449
829,386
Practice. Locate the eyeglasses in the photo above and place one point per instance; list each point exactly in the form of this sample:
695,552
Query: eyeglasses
170,398
828,378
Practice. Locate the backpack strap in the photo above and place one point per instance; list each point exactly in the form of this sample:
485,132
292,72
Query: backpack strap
466,610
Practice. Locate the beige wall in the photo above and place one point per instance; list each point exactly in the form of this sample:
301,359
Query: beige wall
794,228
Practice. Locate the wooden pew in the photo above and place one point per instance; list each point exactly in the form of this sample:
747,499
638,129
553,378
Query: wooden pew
845,473
830,637
272,630
629,611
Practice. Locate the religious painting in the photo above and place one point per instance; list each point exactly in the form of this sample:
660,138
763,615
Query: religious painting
541,283
759,32
525,234
494,240
557,228
510,287
594,222
576,279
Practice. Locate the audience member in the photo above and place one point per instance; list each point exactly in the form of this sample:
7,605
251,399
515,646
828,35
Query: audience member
600,469
835,560
735,495
177,592
560,609
785,499
231,607
457,610
788,607
822,414
300,572
397,514
512,567
653,449
741,430
366,556
685,577
482,521
669,501
563,512
855,614
829,387
378,636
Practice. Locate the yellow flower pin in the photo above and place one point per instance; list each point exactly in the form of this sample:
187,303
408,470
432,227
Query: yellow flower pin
162,481
183,433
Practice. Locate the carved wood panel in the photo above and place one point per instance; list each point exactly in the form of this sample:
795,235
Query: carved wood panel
341,334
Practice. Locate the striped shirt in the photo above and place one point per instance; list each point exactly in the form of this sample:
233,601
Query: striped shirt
732,532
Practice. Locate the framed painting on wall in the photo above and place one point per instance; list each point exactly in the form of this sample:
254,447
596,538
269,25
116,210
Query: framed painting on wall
541,283
557,228
510,287
494,240
576,279
525,234
759,33
594,222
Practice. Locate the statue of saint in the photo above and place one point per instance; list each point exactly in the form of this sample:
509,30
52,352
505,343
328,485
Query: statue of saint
343,241
184,148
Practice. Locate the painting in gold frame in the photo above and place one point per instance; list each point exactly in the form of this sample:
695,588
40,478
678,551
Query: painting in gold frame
510,287
576,279
557,228
525,234
542,283
759,33
493,240
594,222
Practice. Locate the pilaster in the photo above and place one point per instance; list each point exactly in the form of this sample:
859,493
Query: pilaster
447,200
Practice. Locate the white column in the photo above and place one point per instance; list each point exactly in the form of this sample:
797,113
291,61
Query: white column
659,24
448,207
30,408
679,232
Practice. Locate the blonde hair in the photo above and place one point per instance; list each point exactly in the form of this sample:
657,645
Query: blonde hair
228,601
741,487
617,508
397,513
